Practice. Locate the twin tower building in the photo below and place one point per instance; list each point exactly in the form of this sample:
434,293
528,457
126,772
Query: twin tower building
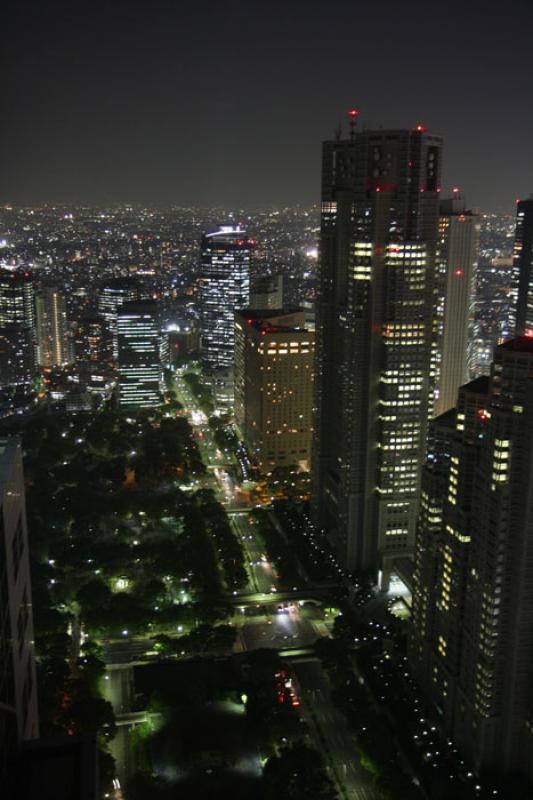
415,471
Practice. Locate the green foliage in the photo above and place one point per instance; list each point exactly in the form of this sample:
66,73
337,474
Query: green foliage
298,773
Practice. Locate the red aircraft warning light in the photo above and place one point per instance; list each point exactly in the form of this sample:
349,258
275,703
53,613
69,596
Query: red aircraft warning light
419,128
353,112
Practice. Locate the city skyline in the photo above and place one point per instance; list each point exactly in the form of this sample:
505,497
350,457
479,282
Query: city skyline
125,103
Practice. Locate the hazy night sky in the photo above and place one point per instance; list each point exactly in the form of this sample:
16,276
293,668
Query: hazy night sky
228,102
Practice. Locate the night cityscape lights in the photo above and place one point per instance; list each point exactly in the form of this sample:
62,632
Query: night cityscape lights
266,415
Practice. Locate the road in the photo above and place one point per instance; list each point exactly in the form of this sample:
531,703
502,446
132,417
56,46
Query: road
118,689
330,731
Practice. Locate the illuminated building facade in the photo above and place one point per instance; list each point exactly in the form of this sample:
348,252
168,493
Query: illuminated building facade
111,297
523,268
471,638
457,253
18,687
225,287
274,354
139,362
17,305
379,225
53,342
17,328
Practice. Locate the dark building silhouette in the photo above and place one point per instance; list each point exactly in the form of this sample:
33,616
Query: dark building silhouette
471,634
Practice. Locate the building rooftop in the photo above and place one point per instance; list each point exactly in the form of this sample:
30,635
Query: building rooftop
274,320
522,344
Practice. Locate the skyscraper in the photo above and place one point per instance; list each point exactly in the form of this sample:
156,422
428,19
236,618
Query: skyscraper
112,295
457,258
225,287
18,693
53,343
523,268
17,328
472,638
380,210
139,362
17,305
92,350
274,386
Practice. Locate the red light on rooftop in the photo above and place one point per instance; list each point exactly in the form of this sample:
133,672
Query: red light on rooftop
438,189
456,190
378,188
422,189
353,112
419,129
458,272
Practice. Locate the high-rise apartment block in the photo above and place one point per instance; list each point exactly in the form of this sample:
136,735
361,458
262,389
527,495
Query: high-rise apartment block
471,635
54,347
139,361
523,268
112,295
376,283
225,287
274,354
453,319
18,692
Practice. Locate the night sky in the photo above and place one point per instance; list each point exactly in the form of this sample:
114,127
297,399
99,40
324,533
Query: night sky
227,102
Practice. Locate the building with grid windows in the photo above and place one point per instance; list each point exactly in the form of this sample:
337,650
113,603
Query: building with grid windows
274,354
18,693
111,297
139,354
225,287
522,291
374,310
471,642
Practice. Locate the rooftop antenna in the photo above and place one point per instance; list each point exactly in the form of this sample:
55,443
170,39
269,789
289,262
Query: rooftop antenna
353,113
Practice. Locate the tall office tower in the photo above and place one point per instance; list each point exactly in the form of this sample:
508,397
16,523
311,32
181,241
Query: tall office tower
18,694
456,262
92,351
112,295
225,287
16,356
522,292
17,306
472,638
267,293
54,347
139,363
376,277
274,386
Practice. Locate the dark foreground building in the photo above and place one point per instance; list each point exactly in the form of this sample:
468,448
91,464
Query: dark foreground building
472,634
